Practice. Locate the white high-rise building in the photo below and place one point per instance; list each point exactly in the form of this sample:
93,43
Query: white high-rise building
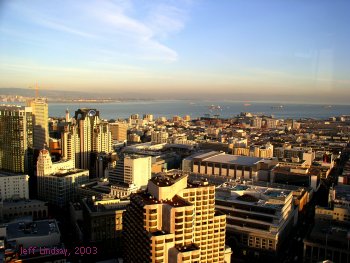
132,170
13,186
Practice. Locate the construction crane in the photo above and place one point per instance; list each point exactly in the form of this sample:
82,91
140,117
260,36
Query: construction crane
36,88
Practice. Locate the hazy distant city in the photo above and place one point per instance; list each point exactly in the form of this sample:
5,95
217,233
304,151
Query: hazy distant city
188,131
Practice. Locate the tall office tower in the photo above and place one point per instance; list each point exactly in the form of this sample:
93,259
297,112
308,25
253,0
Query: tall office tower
94,136
119,131
132,170
174,221
40,111
68,119
16,139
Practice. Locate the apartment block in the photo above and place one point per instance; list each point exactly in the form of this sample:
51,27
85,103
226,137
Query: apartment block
259,218
175,221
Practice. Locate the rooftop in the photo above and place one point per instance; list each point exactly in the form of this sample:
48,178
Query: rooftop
187,248
106,205
233,159
169,178
64,173
7,173
325,231
176,201
342,192
252,194
32,229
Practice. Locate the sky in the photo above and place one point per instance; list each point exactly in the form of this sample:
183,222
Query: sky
261,49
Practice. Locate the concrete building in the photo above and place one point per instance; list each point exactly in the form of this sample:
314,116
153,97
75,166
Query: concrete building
119,131
148,117
226,165
37,241
287,152
16,138
40,112
13,186
70,144
259,218
330,236
159,137
256,122
103,219
44,233
271,123
94,136
175,221
294,175
131,170
99,189
16,208
57,182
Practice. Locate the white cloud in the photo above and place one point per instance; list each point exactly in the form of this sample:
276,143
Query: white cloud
120,27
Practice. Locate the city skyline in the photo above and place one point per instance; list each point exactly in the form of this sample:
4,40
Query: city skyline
198,48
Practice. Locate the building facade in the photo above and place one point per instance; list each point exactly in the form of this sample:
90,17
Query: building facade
40,112
16,139
58,182
175,221
13,186
130,170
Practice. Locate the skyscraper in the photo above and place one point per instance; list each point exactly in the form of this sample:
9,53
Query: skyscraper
85,136
175,221
40,112
16,138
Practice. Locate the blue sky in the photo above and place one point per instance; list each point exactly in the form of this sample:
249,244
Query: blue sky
222,47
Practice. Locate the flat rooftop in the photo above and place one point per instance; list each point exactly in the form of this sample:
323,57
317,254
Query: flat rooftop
16,202
336,235
32,229
169,178
342,192
64,173
6,173
187,248
233,159
252,195
108,206
176,201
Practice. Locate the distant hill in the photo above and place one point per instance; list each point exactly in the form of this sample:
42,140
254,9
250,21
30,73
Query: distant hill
54,94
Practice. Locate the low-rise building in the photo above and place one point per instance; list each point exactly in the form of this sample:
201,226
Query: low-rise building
15,208
13,185
57,183
259,218
330,236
